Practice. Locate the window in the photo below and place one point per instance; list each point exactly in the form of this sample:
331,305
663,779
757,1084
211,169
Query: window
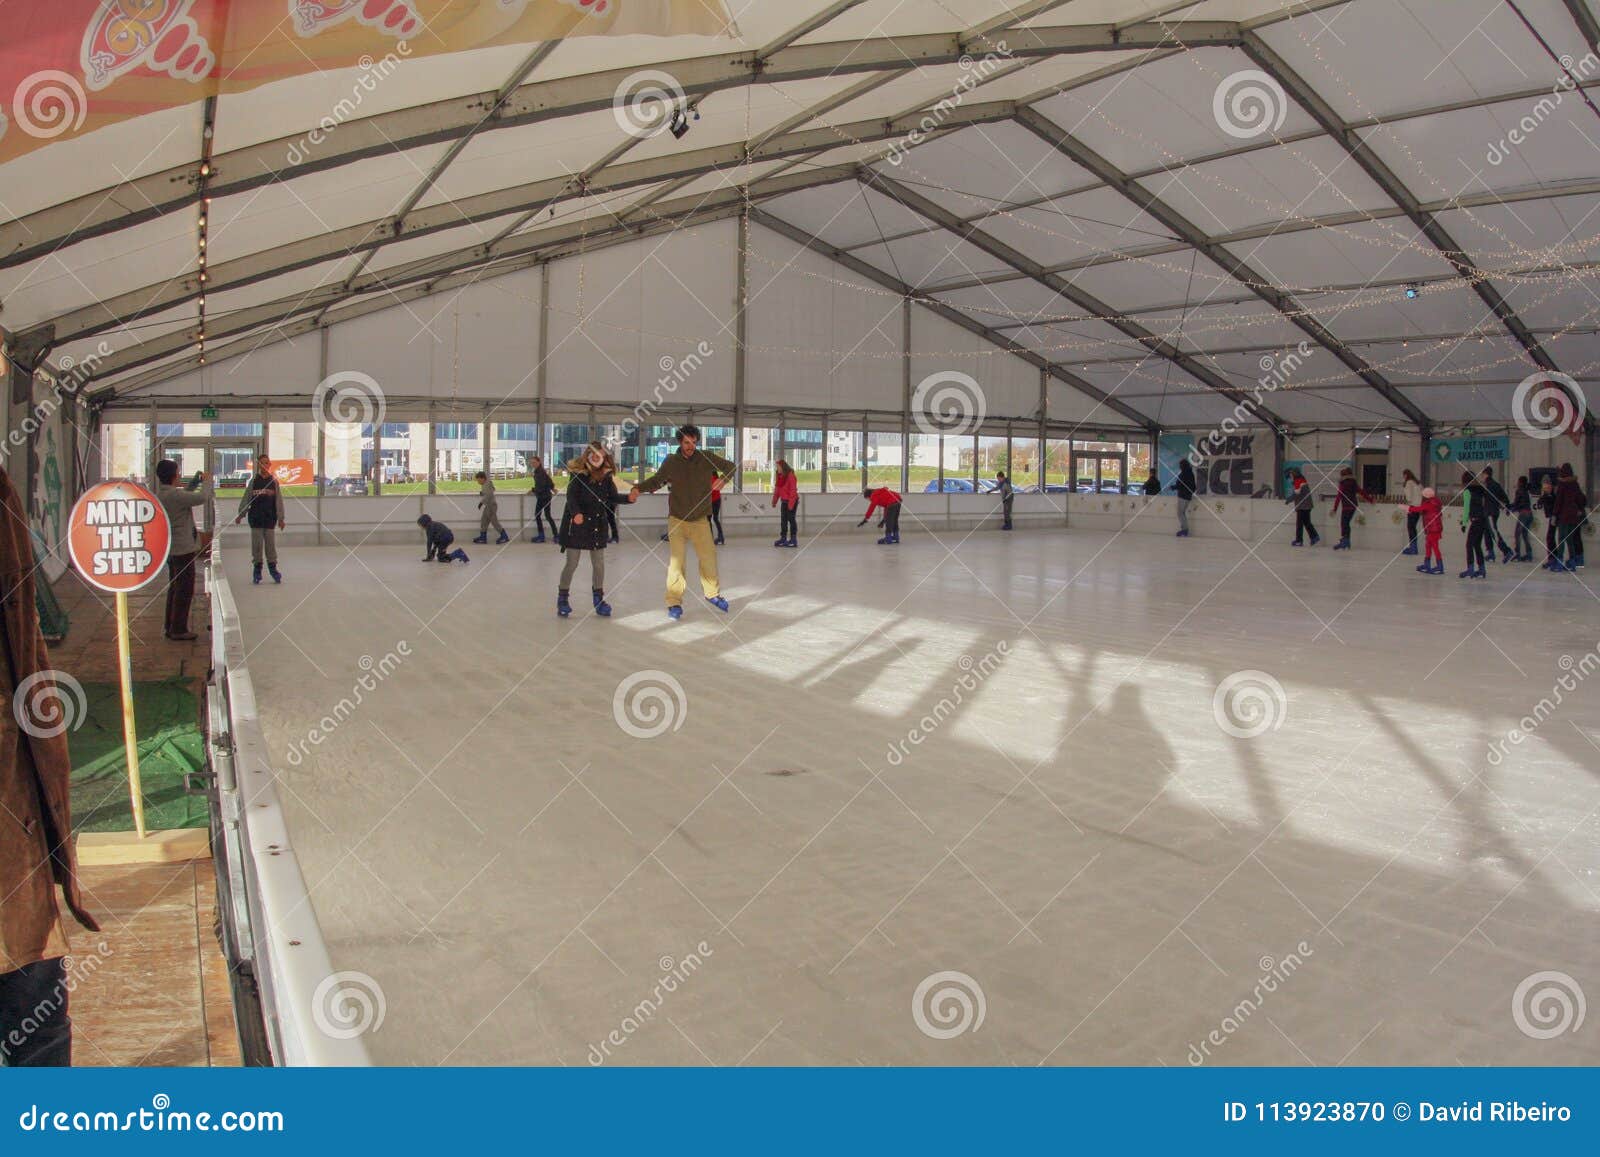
844,461
802,449
1058,460
512,446
992,457
885,454
1026,462
757,458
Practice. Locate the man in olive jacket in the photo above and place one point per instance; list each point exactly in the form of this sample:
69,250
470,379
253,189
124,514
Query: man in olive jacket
689,473
36,842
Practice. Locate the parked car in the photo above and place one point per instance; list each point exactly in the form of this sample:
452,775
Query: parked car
987,486
1057,488
1111,488
951,486
348,485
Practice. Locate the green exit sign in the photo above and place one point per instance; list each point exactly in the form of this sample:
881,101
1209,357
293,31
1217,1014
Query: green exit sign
208,413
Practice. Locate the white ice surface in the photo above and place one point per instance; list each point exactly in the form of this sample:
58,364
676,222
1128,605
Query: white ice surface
1078,835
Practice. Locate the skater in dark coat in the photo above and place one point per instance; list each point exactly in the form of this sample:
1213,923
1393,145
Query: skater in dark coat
1152,484
1345,503
1008,494
1571,509
890,502
544,491
1522,510
1475,517
440,538
1185,491
1497,501
1303,501
1546,505
586,524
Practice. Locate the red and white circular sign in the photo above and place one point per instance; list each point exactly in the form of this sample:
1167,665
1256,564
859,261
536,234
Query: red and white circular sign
119,536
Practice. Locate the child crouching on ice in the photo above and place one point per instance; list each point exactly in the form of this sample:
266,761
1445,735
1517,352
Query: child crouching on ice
1432,511
439,538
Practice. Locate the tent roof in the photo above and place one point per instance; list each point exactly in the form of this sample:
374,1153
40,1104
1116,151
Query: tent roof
1418,205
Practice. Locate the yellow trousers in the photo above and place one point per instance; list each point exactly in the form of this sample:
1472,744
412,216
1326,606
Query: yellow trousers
681,534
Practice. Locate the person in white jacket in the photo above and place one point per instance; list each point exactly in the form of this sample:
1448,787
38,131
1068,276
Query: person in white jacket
1412,487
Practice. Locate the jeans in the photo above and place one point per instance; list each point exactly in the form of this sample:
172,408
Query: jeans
1183,515
1345,515
180,592
716,515
1411,529
1571,543
788,525
263,541
541,513
1005,506
597,563
1494,529
891,521
1303,527
33,1005
1524,540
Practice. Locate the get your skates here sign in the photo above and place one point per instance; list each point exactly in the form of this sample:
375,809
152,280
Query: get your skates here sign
118,536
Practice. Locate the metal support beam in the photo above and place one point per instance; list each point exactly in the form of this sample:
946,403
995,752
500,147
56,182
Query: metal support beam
271,162
1192,235
949,313
354,239
741,336
1323,113
1584,18
1026,265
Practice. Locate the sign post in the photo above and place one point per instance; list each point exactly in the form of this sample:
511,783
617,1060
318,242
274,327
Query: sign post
119,537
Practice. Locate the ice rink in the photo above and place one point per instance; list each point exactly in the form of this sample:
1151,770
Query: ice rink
1004,756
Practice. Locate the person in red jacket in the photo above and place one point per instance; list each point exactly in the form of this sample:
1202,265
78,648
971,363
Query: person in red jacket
1570,511
1345,503
890,501
1432,512
786,497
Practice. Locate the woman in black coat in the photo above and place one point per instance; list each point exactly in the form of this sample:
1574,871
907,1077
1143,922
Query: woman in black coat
586,523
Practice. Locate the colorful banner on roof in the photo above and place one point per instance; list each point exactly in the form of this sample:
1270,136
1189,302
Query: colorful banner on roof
72,66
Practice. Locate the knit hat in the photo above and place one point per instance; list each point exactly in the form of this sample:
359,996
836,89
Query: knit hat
1427,492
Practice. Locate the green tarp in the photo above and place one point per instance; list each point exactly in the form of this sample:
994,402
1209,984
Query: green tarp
170,745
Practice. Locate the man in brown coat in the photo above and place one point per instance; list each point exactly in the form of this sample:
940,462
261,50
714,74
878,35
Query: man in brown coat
36,844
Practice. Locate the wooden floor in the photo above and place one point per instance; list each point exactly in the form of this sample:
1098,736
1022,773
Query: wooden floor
152,987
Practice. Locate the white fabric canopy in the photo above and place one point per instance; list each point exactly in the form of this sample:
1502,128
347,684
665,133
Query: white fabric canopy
1410,187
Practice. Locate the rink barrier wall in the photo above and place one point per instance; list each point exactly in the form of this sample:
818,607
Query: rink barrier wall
384,521
270,930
